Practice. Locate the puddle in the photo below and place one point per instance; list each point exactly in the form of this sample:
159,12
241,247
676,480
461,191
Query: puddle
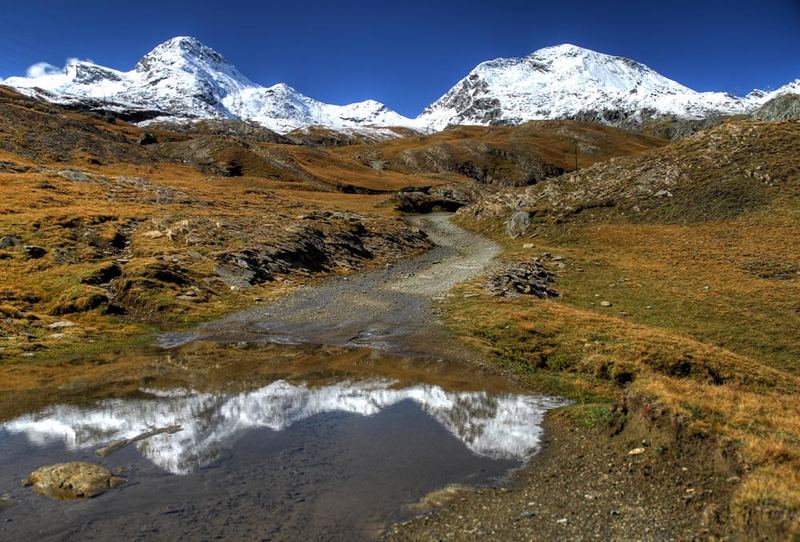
300,443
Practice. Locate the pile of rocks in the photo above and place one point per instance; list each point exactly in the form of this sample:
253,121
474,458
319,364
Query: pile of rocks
527,278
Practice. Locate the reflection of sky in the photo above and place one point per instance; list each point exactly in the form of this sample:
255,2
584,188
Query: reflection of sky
495,426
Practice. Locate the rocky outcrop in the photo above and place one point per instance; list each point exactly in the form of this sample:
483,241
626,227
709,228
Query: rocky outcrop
238,255
784,107
423,201
330,240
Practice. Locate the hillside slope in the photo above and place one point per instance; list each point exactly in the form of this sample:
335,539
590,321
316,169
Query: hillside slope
679,277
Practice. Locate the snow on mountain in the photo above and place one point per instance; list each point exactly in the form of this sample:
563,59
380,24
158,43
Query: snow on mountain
184,79
282,108
567,81
790,88
497,426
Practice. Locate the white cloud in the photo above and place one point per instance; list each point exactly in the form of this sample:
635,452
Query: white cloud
40,69
43,69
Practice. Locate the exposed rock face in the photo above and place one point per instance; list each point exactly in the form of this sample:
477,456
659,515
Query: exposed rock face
681,128
75,480
243,130
530,278
419,201
785,107
330,240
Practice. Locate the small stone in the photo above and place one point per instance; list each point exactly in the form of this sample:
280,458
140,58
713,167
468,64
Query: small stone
527,246
61,324
34,252
147,139
605,303
636,451
562,521
8,241
6,501
75,176
154,234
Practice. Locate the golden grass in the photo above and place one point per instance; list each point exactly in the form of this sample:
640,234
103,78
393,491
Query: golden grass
704,321
82,218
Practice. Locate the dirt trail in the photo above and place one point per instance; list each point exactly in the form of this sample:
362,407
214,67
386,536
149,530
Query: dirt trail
390,309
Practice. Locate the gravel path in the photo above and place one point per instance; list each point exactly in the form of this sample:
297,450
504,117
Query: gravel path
390,309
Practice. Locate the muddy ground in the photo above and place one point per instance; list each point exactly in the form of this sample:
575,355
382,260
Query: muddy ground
585,485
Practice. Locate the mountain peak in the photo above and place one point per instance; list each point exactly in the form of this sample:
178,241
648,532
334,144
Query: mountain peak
179,51
564,49
567,81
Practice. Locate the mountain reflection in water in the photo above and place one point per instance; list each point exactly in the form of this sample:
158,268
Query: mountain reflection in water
498,426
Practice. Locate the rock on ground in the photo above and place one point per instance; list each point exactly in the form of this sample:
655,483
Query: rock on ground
74,480
518,224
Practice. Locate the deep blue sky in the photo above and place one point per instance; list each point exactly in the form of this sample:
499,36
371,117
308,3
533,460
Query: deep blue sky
407,53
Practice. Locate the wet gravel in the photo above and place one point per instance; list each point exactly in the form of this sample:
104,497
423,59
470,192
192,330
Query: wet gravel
392,309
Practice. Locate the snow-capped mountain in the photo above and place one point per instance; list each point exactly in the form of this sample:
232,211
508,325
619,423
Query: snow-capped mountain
184,79
567,81
497,426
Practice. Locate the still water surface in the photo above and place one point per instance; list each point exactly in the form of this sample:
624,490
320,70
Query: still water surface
332,444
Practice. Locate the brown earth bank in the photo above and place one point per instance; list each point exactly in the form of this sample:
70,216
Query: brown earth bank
646,478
